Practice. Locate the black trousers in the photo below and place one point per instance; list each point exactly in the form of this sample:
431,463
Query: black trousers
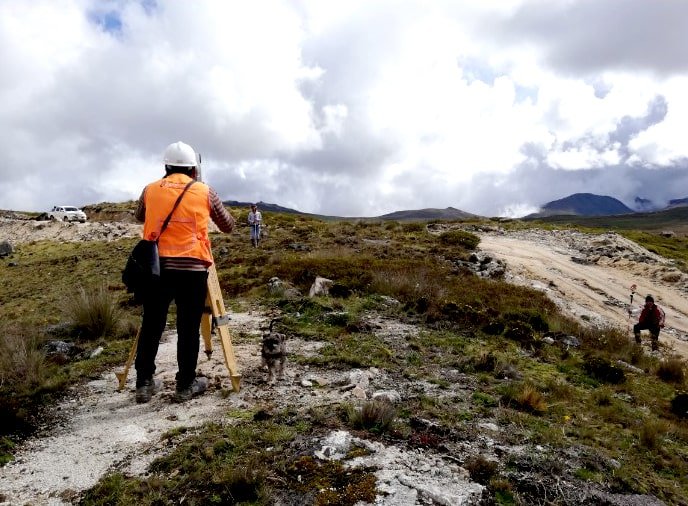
654,329
188,290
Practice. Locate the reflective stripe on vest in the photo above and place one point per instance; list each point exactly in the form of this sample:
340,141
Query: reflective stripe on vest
186,234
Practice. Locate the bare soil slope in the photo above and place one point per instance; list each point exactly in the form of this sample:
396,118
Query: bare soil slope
590,277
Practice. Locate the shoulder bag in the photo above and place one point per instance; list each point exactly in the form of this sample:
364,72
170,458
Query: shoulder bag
143,265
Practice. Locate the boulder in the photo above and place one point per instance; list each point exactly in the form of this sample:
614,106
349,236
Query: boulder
321,286
6,249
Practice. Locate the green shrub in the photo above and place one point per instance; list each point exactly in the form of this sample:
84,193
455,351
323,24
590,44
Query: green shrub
485,362
534,319
460,238
6,449
337,264
679,405
480,469
484,399
413,226
603,370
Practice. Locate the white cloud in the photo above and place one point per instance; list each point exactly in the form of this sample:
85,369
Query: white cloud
350,108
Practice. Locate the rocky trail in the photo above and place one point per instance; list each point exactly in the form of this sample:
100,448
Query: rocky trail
100,430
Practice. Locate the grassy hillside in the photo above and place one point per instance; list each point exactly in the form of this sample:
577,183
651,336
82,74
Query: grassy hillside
581,418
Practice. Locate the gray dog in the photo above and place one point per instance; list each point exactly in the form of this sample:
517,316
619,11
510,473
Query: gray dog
274,353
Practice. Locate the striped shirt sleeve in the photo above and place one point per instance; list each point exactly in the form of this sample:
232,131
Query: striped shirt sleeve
140,213
218,213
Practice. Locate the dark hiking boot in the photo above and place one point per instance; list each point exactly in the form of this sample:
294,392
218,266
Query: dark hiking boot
146,390
198,387
655,344
637,338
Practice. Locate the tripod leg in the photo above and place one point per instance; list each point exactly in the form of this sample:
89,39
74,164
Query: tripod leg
207,326
218,309
122,376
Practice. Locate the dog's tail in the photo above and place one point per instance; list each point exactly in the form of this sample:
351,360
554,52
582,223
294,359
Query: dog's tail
272,322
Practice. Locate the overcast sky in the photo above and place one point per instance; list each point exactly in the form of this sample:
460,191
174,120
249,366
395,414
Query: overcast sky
345,107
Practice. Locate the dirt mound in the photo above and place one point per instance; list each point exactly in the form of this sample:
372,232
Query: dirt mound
106,211
22,231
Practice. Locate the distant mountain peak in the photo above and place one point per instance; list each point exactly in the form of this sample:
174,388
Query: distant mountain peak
644,205
584,204
678,202
449,213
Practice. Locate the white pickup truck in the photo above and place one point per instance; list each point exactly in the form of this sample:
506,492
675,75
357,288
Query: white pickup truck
67,213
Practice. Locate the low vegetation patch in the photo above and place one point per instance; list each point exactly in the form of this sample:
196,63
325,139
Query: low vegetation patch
460,238
22,363
250,463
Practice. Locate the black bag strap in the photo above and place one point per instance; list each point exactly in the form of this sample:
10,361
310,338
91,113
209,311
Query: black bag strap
179,199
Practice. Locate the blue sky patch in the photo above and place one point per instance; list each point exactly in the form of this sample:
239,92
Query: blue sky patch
109,21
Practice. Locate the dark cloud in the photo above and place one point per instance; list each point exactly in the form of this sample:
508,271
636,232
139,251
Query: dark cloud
591,36
533,185
629,126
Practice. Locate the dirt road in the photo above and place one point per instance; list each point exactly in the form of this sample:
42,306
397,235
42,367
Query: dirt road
595,287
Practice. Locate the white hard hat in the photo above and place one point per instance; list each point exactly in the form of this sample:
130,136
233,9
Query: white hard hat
180,155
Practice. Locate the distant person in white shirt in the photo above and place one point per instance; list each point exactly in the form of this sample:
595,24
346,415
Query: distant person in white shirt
255,219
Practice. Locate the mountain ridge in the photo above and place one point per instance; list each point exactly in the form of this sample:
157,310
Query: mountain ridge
583,204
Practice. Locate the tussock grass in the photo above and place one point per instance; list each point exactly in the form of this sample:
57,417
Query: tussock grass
652,432
376,416
672,370
22,363
525,397
94,312
415,284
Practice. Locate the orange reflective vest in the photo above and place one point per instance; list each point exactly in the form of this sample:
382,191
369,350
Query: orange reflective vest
186,234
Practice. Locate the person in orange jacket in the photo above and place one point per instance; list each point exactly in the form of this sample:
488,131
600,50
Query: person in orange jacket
184,249
652,319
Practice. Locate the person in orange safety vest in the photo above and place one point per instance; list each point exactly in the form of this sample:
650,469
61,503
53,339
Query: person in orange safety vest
185,255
